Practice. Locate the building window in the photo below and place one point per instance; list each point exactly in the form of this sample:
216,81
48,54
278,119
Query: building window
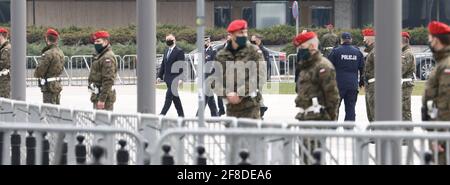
270,14
321,15
222,16
5,11
247,14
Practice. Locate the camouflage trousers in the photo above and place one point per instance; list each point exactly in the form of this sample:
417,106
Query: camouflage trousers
109,103
441,156
370,101
247,108
406,103
51,93
51,98
5,88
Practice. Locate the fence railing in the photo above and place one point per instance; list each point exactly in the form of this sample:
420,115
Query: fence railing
359,142
71,148
424,64
77,68
217,148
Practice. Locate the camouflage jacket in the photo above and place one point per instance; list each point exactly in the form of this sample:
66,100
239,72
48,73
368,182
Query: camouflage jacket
250,68
437,87
329,40
103,72
369,68
250,57
5,54
51,63
408,65
317,78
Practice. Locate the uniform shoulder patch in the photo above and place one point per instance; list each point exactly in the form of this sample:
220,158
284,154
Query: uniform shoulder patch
108,61
447,71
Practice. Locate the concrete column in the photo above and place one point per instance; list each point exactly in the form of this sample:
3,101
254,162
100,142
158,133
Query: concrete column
388,25
19,49
146,62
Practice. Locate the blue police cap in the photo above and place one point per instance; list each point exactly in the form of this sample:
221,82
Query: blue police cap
346,36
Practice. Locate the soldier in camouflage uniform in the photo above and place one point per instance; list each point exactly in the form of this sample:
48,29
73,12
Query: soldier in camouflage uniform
369,72
50,67
329,41
317,91
408,71
5,64
436,101
103,73
241,89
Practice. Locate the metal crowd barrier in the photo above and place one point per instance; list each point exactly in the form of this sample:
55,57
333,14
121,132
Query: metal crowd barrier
72,148
425,64
359,141
33,61
276,150
292,62
413,148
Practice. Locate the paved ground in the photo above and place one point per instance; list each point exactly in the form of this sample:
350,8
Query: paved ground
281,107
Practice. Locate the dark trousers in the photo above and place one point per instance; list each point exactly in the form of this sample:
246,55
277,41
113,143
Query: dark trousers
220,105
349,96
209,100
269,70
168,102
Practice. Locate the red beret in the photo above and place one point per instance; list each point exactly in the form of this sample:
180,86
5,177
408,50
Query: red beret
237,25
438,28
303,37
368,32
405,34
3,30
52,32
101,35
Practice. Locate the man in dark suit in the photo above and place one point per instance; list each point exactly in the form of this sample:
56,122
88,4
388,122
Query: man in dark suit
172,55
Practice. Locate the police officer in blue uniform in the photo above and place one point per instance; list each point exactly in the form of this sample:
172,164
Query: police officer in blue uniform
348,61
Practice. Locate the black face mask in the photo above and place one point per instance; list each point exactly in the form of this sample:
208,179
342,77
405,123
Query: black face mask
99,48
170,42
253,42
241,41
206,46
303,54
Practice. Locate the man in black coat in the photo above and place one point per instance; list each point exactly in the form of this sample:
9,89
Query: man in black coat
210,55
257,40
172,55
